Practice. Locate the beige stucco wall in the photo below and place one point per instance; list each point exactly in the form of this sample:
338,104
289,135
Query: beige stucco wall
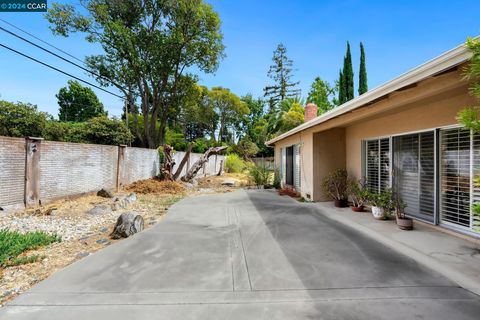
328,155
336,143
305,140
427,115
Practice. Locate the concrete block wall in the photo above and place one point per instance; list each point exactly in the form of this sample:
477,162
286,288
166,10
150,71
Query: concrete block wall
12,171
61,169
75,168
139,164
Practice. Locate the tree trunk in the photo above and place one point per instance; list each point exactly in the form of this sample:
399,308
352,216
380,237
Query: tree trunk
183,162
128,223
200,162
168,163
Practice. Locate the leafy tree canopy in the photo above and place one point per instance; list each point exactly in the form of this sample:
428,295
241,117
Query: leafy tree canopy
147,47
321,93
78,103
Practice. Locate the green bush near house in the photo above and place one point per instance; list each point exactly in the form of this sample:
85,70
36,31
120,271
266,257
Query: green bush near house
234,164
260,175
14,243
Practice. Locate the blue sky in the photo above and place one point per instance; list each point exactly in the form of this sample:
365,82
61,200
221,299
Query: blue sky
398,35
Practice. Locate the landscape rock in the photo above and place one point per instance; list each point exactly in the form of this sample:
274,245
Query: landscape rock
103,241
103,230
100,209
228,182
105,193
82,254
123,202
128,223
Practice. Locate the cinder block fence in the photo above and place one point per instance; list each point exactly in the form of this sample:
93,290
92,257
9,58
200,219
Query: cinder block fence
33,170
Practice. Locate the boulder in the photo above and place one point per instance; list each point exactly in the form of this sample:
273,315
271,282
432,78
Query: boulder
100,209
128,223
105,193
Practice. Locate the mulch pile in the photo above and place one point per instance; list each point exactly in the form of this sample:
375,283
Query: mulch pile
156,186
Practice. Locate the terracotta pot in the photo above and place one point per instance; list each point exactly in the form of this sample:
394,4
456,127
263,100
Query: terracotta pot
378,213
342,203
405,223
357,209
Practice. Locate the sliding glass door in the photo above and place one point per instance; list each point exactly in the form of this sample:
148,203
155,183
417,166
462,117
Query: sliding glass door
414,173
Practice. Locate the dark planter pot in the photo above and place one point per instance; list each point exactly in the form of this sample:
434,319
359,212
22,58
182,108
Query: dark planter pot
357,209
405,223
343,203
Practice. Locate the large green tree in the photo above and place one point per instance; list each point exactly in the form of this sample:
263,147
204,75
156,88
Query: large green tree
281,72
148,45
321,93
78,103
229,109
362,74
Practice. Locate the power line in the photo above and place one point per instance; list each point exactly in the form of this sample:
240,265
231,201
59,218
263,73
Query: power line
43,41
61,71
59,56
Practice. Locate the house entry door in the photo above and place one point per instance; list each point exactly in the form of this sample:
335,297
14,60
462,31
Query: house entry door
414,173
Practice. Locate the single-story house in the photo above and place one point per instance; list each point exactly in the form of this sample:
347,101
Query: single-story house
402,135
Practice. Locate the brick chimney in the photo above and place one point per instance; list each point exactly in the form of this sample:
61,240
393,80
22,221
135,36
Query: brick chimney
310,111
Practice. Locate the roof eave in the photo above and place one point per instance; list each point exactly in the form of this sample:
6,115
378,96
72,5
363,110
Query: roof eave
445,61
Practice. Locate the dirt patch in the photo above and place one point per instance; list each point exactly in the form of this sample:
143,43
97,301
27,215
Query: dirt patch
156,186
216,182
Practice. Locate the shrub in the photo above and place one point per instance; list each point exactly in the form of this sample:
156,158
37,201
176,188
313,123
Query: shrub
358,192
259,175
13,243
104,130
335,184
234,164
21,120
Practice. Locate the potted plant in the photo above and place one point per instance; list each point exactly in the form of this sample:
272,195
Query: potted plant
335,185
381,204
403,222
358,193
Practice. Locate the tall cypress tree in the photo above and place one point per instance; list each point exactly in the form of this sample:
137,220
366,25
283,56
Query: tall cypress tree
362,75
341,88
348,75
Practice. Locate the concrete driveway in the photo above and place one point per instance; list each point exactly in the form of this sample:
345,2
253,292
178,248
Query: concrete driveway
245,255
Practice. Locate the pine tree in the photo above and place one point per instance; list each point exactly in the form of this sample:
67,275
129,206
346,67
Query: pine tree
348,75
281,73
341,88
362,77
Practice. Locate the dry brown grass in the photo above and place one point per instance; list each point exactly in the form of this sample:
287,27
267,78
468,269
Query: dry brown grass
156,186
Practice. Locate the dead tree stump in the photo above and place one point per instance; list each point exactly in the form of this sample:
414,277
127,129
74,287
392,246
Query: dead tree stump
200,162
128,223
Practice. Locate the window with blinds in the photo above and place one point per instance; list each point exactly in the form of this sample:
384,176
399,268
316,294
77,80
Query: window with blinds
414,173
455,176
377,164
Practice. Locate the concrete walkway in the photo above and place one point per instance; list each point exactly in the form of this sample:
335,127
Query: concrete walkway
246,255
455,257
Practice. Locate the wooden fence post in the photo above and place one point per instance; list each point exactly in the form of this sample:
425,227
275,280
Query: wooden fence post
32,171
120,163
